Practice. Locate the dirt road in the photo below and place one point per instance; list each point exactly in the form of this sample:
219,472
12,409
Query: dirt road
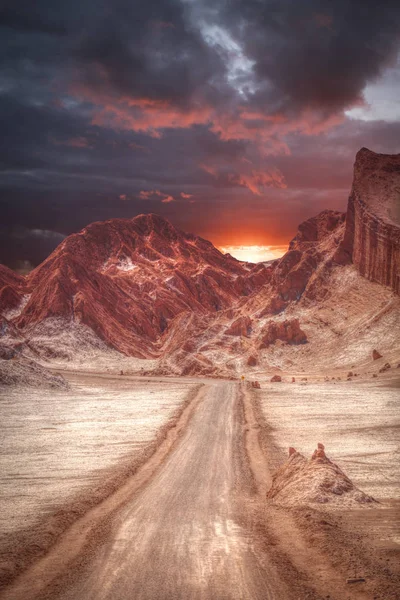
178,538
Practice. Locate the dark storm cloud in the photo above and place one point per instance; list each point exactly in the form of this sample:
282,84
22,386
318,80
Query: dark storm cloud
315,53
20,246
109,107
148,51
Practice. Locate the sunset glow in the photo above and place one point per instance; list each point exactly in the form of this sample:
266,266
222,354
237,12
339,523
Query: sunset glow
254,254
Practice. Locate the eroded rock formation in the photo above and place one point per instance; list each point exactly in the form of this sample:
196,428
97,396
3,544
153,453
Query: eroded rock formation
372,235
287,331
240,327
319,480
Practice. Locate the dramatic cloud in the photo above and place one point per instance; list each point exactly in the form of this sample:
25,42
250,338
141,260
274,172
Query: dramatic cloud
234,119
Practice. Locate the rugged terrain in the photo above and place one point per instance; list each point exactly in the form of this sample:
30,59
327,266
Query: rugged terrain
141,288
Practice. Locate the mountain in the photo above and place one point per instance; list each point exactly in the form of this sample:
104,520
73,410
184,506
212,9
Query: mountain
143,288
128,279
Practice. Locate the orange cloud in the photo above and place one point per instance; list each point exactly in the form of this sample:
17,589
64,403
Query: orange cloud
165,198
152,116
256,180
74,142
209,169
183,195
251,178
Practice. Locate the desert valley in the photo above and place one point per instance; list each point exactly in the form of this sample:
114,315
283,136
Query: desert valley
176,423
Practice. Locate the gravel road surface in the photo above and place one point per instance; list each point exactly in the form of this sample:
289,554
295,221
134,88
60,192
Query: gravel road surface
178,537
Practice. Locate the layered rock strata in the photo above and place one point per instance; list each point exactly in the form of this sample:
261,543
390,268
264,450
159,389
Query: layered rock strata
372,234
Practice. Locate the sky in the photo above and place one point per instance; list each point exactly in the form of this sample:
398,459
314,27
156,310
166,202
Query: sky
234,119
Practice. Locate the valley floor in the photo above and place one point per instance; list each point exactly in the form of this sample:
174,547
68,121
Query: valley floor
190,518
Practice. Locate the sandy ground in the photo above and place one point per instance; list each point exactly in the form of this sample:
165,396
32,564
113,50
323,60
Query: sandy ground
193,521
63,450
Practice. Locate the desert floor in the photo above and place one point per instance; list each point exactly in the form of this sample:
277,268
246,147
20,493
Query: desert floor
131,487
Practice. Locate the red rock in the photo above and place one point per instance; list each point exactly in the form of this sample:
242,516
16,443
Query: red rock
276,379
385,368
317,229
311,249
292,451
240,327
252,361
319,453
372,235
376,355
275,306
293,380
12,289
255,384
287,331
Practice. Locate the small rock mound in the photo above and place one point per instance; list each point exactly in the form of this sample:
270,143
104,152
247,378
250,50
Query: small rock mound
376,354
318,480
254,384
276,379
252,361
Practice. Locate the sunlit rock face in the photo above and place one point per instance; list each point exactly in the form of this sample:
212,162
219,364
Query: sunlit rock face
372,236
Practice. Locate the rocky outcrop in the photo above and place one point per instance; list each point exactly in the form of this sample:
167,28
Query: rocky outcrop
254,385
376,355
12,289
252,361
318,480
287,331
372,235
276,379
316,229
309,256
240,327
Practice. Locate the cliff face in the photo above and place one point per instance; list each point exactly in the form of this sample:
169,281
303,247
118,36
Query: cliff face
372,235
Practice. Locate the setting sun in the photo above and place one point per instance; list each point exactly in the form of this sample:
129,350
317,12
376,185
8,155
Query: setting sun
254,254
